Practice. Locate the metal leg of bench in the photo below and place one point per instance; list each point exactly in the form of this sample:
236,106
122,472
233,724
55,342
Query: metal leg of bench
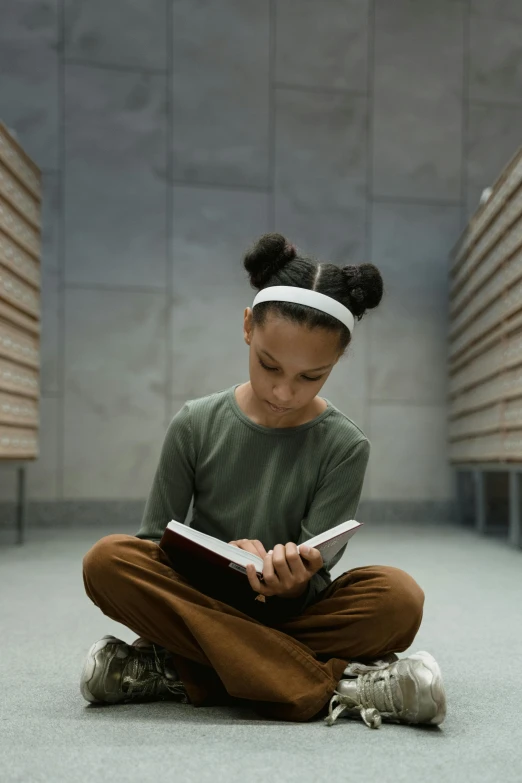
20,505
515,510
480,501
461,499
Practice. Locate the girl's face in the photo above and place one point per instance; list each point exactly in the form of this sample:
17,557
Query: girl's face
289,365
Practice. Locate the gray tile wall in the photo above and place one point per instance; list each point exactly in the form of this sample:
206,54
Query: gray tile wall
171,133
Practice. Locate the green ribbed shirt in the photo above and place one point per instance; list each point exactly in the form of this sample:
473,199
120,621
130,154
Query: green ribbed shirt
273,484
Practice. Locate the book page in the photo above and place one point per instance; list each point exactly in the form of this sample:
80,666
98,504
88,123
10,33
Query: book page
216,545
332,533
331,541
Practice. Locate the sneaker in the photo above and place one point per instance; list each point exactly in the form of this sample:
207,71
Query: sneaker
409,690
117,672
144,644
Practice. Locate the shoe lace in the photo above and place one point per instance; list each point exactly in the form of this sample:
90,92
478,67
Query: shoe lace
365,695
144,676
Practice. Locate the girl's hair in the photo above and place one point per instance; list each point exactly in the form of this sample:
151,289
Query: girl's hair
272,260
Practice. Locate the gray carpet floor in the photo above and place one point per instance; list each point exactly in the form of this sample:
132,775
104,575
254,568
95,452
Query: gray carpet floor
472,625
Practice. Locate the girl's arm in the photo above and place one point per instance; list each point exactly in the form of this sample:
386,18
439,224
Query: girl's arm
173,483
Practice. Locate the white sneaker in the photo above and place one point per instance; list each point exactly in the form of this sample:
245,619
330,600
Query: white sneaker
409,690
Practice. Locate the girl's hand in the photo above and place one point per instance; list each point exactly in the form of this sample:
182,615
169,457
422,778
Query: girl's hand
286,571
249,545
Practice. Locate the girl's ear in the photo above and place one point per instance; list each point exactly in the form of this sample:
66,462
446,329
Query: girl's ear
247,325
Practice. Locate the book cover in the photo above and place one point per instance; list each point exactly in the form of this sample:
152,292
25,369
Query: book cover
211,572
219,569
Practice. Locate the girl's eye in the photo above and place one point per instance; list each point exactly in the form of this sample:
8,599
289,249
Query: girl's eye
274,369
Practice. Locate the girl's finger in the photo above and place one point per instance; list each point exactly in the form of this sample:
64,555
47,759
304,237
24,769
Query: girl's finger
256,584
312,558
295,564
279,563
248,545
253,578
270,578
260,549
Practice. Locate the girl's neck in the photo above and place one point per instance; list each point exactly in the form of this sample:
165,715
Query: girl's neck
250,406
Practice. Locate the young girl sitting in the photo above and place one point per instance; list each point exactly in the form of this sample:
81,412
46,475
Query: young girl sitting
270,464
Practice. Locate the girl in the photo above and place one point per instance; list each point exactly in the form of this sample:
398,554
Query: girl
270,464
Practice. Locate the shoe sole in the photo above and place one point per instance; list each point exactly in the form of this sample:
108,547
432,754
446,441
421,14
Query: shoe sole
436,696
89,668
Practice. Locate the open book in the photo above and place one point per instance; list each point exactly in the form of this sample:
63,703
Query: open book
191,552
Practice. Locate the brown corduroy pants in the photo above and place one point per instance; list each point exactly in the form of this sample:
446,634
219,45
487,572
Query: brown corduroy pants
287,668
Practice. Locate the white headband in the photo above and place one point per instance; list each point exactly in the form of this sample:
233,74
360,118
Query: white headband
304,296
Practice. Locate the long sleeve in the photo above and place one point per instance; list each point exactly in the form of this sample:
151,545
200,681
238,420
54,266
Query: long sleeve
335,501
173,482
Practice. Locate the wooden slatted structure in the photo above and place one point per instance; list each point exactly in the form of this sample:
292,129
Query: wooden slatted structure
20,250
485,332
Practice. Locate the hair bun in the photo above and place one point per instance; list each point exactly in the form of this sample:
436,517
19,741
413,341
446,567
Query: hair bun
290,251
365,286
266,257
